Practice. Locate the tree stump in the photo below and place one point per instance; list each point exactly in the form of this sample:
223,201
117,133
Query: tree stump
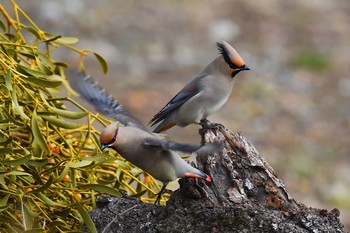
244,196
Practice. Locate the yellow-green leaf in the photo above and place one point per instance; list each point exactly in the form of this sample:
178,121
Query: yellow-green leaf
87,219
102,189
29,210
53,38
64,172
62,64
2,181
123,165
37,162
61,123
17,162
59,223
18,173
6,141
69,114
62,213
10,118
139,193
34,31
4,200
47,200
44,63
120,175
5,150
67,40
8,81
2,26
17,109
95,158
3,208
35,230
45,82
69,88
27,219
45,186
38,137
29,71
109,160
29,53
82,163
102,62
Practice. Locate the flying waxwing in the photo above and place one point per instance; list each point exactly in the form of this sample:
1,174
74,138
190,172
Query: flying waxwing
205,94
144,149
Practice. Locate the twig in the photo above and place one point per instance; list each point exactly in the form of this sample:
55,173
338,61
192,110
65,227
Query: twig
116,217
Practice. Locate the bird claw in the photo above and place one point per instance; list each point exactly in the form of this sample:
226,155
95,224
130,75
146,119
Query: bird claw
159,195
208,125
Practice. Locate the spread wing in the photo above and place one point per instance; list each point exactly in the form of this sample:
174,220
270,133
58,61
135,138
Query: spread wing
104,103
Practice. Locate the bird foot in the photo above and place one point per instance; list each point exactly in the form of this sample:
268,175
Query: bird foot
159,195
208,125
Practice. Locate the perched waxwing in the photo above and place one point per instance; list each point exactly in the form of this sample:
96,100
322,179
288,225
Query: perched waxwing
205,94
146,150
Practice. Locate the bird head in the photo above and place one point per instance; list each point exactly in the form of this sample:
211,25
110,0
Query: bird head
109,135
232,58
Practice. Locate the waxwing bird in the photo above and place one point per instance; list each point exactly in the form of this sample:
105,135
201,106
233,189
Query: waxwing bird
146,150
205,94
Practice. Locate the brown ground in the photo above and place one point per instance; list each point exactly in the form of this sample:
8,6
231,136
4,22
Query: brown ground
294,104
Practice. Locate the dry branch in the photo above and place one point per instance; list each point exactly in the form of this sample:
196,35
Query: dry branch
245,196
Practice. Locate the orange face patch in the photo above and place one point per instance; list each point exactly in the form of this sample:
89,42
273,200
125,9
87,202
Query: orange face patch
236,58
109,133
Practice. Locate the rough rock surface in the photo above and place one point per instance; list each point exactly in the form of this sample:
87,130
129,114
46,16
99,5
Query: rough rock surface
245,196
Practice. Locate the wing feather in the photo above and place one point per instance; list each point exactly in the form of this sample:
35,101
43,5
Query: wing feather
104,103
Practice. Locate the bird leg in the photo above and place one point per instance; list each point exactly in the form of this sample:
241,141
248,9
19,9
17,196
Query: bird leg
159,195
206,124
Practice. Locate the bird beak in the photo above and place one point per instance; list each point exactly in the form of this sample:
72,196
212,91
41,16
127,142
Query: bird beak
103,146
244,68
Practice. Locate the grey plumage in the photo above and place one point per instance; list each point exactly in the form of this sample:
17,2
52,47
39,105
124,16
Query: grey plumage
205,94
144,149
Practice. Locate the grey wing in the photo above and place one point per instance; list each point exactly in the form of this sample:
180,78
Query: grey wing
190,90
185,148
173,104
104,103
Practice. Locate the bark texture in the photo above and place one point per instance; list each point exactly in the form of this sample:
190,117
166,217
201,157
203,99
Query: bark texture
245,196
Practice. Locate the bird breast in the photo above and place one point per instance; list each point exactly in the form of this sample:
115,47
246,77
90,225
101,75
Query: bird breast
215,90
157,162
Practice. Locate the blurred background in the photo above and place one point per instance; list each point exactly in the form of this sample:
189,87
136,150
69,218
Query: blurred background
294,104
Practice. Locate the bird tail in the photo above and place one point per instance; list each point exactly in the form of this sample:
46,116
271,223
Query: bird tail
164,126
209,148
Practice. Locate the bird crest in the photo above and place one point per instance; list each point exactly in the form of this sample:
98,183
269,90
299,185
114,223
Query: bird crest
230,55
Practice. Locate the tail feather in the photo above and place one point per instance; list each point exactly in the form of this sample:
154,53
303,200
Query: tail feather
209,148
164,126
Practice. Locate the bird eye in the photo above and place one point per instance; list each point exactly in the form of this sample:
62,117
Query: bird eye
114,137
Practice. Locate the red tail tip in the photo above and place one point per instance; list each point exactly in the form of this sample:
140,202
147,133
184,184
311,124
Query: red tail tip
208,178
